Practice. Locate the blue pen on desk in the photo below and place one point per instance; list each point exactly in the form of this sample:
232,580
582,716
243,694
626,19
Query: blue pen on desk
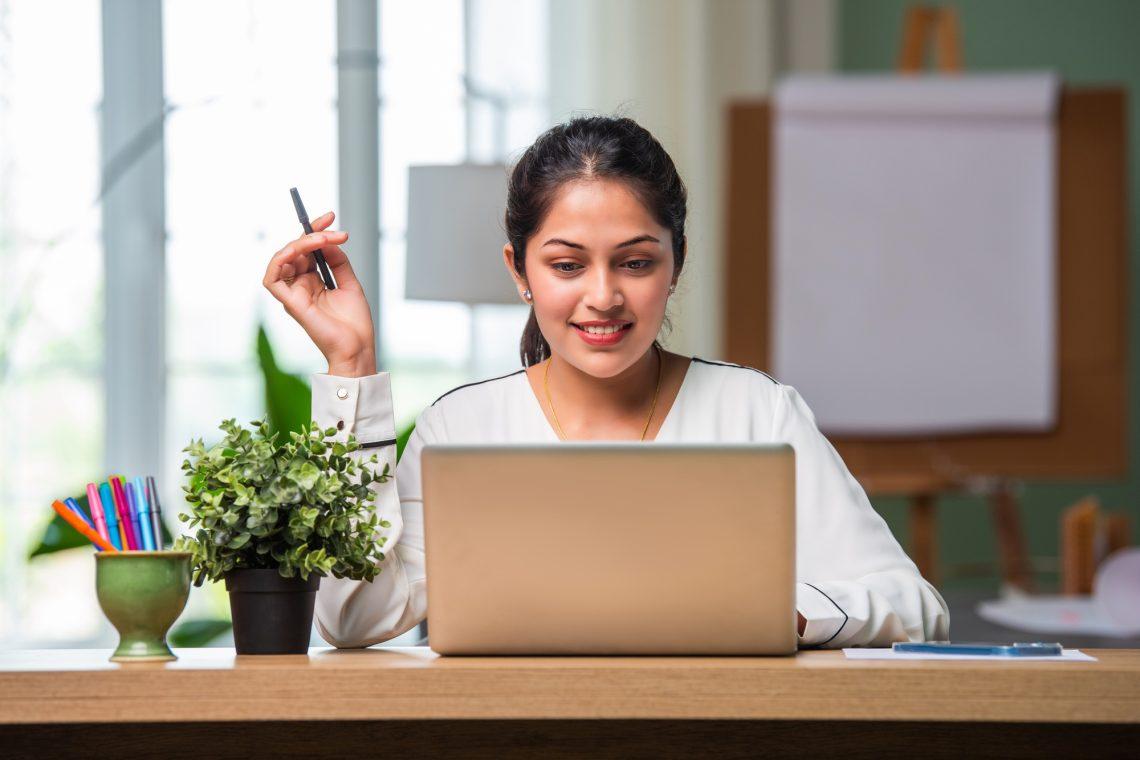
1034,649
111,515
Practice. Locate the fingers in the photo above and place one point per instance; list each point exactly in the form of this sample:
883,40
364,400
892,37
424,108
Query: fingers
338,261
322,221
336,258
291,297
294,259
289,271
298,252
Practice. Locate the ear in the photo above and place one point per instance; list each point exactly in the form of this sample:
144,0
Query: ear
684,260
509,261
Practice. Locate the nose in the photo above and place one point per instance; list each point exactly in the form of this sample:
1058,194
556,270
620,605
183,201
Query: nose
602,291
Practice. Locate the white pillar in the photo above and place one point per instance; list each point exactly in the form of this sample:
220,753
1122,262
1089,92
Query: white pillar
358,150
134,236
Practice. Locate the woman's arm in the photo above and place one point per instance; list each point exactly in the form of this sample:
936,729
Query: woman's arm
856,585
361,613
356,400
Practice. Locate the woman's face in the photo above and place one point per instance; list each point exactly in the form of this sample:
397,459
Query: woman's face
599,270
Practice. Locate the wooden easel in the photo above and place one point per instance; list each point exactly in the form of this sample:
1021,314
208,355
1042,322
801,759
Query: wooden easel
940,24
1090,441
920,24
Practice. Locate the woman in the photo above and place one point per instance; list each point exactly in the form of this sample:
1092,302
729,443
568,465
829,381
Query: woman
595,224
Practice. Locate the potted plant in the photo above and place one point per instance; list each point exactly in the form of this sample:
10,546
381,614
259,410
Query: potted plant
270,517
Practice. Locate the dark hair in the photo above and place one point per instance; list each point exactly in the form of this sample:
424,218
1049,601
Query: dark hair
589,147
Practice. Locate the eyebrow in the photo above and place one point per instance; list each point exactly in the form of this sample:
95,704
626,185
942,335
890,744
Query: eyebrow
580,247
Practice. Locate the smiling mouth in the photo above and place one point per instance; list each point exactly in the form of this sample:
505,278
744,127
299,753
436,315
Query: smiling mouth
607,330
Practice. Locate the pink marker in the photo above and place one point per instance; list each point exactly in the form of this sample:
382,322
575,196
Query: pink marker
96,508
124,513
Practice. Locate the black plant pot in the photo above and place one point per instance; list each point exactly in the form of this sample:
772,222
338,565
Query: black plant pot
272,615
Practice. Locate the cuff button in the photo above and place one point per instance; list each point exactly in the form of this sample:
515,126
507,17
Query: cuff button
341,393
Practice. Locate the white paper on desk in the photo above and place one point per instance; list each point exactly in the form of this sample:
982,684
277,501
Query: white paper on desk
914,251
1112,610
1067,655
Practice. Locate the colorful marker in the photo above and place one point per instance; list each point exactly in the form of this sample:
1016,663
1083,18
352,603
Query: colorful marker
139,492
115,532
73,505
96,508
155,512
124,508
74,521
133,511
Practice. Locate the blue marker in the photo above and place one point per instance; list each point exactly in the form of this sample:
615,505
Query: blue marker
111,514
136,514
74,506
144,513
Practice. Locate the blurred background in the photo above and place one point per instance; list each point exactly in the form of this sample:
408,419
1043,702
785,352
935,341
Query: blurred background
146,151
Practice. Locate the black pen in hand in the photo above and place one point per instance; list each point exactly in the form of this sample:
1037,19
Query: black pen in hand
323,269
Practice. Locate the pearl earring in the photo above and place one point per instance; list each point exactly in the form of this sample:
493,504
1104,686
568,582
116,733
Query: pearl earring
526,295
672,289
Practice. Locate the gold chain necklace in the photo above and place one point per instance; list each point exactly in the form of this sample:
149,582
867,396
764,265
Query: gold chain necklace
653,406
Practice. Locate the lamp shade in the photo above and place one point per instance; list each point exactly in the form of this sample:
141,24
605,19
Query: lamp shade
455,234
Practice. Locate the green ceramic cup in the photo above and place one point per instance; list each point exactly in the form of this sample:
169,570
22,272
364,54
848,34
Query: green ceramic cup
142,594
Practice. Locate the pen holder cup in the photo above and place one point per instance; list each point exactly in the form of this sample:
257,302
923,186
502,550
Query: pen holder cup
142,593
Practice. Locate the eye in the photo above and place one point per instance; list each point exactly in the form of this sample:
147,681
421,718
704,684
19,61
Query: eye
559,264
640,264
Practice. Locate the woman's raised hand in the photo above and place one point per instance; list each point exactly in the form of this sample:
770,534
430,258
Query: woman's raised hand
339,321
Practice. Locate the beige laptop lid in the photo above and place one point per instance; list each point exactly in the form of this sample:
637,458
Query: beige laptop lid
610,548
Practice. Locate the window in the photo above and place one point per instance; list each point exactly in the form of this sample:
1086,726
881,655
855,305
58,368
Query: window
51,387
425,120
251,87
253,115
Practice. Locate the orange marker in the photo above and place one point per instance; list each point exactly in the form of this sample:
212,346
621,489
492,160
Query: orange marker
74,521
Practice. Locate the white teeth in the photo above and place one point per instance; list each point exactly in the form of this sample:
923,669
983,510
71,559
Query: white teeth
602,330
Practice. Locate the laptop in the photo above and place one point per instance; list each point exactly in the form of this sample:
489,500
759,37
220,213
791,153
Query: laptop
610,548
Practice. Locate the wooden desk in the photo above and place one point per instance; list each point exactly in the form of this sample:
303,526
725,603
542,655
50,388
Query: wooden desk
411,702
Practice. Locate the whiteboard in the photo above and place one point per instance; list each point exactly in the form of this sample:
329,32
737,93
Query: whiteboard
914,251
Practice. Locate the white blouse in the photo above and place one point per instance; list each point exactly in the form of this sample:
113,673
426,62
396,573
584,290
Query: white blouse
855,585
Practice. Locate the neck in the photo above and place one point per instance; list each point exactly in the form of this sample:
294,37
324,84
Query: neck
586,397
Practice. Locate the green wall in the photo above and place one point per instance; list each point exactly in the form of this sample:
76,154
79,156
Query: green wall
1087,42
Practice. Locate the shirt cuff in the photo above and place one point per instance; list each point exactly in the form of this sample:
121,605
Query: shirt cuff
361,406
823,615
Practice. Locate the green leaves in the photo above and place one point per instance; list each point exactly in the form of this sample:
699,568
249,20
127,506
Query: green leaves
197,633
301,505
287,397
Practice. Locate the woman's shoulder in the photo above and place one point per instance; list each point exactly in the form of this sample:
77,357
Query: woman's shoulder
728,401
475,408
480,389
729,378
737,385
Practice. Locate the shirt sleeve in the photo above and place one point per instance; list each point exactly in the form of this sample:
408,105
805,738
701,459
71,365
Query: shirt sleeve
856,586
361,613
